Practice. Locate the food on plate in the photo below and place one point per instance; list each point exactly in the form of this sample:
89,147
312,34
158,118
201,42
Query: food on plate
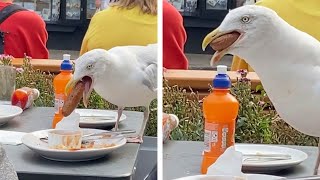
224,41
73,99
65,139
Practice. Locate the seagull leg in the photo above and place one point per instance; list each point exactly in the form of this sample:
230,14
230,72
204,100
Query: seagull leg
116,127
138,138
318,160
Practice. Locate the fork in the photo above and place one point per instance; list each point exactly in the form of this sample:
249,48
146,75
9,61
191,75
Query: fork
265,157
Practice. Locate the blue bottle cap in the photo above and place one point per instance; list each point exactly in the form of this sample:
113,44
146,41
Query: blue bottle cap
222,80
66,64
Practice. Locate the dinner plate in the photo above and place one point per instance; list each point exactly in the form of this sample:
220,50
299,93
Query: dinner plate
296,158
228,177
33,142
97,118
8,112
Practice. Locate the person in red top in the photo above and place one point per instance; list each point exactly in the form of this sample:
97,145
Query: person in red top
174,38
27,34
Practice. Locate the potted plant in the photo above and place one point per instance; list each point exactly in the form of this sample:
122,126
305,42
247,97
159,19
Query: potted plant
7,79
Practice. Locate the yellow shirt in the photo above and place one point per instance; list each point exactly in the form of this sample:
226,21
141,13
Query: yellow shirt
303,15
119,27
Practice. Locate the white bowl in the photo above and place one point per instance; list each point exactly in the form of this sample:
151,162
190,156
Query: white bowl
65,139
8,112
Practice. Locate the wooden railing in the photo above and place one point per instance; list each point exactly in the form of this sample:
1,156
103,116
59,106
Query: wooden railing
46,65
199,80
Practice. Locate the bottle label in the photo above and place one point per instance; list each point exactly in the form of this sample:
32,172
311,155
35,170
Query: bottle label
59,102
218,137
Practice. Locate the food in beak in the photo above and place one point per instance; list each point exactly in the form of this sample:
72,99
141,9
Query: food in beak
73,99
224,41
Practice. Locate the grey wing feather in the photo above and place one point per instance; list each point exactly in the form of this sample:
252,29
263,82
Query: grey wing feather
147,57
150,78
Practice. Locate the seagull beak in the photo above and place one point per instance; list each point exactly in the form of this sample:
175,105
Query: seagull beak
70,86
208,39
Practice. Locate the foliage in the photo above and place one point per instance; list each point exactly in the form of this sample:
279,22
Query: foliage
32,78
187,108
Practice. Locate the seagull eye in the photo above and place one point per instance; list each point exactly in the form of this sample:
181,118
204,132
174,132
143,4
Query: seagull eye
89,66
245,19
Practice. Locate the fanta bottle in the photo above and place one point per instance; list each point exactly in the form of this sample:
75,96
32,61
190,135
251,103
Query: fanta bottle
59,83
220,110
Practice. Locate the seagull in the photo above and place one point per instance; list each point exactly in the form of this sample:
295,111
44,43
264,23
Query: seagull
286,60
125,76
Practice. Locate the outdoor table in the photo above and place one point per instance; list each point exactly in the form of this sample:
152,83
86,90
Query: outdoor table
183,158
120,164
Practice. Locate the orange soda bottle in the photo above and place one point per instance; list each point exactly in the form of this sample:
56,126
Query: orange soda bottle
59,83
220,110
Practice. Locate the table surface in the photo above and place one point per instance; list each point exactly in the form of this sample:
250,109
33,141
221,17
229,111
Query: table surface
29,165
183,158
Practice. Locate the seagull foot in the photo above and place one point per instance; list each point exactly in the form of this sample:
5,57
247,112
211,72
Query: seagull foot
136,139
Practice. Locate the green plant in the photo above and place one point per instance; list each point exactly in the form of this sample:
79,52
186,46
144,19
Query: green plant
188,109
28,77
254,121
6,60
43,81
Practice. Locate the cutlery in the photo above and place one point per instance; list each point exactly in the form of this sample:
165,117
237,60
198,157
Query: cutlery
265,157
116,133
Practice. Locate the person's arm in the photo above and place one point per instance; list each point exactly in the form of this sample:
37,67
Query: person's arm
36,37
174,39
84,45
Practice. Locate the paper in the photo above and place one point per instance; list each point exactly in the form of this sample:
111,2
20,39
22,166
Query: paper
69,123
229,163
11,137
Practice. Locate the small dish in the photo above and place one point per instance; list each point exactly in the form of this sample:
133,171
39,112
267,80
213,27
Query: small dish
64,139
8,112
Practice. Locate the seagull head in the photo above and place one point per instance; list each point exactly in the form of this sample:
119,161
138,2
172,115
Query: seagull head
245,25
88,68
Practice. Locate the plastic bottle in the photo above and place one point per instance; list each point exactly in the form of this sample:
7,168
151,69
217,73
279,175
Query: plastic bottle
59,83
220,110
24,97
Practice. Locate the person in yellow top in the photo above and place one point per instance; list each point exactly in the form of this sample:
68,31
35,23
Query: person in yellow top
124,22
303,15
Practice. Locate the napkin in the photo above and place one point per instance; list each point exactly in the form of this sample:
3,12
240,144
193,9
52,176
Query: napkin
229,163
11,137
69,123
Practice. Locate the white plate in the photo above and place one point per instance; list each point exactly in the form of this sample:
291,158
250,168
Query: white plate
8,112
297,157
94,118
225,177
32,141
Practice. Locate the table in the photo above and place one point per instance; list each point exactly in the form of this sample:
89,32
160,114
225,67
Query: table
183,158
120,164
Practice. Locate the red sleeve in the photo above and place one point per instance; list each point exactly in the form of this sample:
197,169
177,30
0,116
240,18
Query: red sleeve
174,38
34,34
